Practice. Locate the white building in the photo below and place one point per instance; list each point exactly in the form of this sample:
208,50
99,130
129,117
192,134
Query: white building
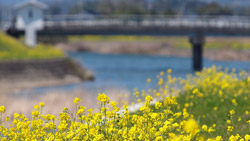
29,18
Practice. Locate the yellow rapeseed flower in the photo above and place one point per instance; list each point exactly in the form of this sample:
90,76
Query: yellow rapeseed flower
161,73
77,100
247,137
103,98
158,105
149,98
36,107
148,80
113,104
232,112
42,104
230,128
191,126
219,138
204,127
247,112
169,71
2,109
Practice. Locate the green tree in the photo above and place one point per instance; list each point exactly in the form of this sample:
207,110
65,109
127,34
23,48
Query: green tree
214,9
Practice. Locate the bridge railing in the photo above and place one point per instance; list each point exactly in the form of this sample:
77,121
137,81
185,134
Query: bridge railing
149,20
5,17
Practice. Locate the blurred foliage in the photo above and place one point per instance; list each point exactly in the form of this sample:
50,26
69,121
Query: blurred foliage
162,7
168,7
214,9
11,49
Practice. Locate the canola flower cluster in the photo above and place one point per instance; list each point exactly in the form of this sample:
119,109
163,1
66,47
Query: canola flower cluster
213,105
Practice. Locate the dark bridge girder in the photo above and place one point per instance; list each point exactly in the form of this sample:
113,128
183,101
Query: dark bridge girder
197,42
143,30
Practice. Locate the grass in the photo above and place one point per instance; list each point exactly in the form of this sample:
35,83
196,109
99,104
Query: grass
210,97
215,106
11,49
235,43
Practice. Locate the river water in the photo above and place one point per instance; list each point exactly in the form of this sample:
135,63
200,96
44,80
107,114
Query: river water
131,71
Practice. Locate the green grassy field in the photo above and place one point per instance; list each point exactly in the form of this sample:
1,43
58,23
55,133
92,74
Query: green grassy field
11,49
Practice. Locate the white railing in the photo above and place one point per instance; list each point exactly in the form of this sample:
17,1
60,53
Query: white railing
149,20
5,17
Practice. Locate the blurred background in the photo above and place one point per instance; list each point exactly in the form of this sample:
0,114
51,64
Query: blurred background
113,46
169,7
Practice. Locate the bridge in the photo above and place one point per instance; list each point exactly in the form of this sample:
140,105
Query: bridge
146,24
191,25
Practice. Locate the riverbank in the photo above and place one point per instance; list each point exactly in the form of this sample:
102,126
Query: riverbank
41,73
216,48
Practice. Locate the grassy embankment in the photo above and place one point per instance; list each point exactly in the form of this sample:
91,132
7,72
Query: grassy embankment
218,100
212,105
11,49
180,42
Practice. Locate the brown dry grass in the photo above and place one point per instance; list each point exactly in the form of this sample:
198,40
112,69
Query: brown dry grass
55,101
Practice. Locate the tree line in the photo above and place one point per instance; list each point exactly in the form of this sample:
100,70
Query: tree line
150,7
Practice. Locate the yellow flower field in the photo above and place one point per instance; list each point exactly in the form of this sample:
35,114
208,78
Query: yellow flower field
211,105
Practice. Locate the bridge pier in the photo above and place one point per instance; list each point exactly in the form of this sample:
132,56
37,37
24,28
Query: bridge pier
197,42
